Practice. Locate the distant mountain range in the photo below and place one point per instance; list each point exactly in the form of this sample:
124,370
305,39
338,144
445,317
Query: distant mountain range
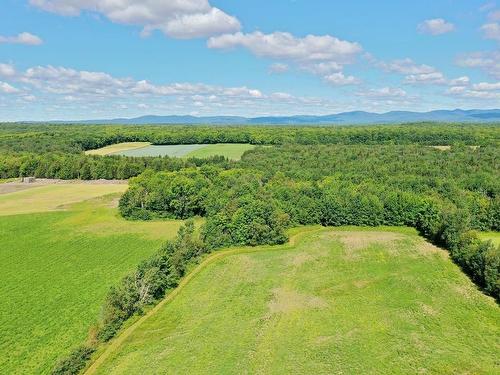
344,118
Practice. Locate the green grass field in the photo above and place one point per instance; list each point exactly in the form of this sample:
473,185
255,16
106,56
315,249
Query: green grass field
118,147
232,151
339,301
493,236
53,197
57,268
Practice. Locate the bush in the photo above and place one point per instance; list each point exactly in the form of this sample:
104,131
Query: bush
75,361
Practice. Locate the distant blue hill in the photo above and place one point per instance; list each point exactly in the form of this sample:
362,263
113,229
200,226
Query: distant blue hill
344,118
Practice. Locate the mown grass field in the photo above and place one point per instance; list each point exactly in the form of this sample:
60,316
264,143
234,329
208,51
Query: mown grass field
58,266
340,301
53,197
118,147
232,151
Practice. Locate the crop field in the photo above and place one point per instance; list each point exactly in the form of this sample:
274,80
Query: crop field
52,197
378,300
58,266
229,150
116,148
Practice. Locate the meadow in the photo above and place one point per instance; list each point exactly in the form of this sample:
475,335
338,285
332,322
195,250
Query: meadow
53,197
117,148
232,151
58,266
338,301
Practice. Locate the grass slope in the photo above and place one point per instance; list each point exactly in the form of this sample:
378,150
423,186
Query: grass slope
337,302
56,270
53,197
118,147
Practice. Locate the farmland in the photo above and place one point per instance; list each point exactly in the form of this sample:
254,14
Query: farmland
140,149
98,241
58,266
340,301
117,148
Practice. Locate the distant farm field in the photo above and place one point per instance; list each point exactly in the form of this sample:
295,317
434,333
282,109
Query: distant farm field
339,301
118,147
58,266
229,150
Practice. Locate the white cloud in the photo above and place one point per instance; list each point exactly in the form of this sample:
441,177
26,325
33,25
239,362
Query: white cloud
7,70
7,88
436,26
404,66
491,31
489,62
464,92
486,86
436,78
460,81
339,79
22,38
176,18
322,55
384,93
278,68
285,46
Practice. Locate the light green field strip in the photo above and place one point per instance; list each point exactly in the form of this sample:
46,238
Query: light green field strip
335,302
493,236
118,147
53,197
232,151
56,270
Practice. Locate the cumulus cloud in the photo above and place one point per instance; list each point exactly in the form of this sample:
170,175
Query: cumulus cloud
436,78
465,92
22,38
435,26
181,19
323,55
7,88
491,31
285,46
384,93
488,62
278,68
339,79
7,70
486,86
404,66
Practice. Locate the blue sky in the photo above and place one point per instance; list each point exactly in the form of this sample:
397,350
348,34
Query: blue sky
77,59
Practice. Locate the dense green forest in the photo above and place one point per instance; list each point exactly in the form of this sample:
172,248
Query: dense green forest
333,176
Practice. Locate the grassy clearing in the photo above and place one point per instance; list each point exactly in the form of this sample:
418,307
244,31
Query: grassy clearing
493,236
229,150
232,151
56,270
347,301
118,147
53,197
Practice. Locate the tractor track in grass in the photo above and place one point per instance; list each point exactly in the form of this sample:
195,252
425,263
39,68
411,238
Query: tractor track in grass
114,344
